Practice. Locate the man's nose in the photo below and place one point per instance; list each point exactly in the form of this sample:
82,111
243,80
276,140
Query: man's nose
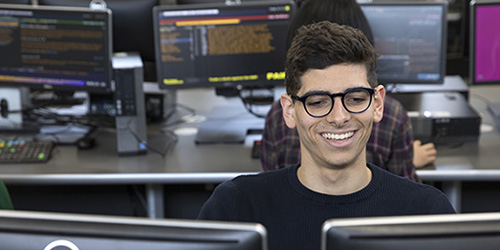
339,115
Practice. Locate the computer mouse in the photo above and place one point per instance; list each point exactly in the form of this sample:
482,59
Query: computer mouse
85,143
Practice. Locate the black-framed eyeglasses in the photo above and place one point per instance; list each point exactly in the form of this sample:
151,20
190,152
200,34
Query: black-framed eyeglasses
320,104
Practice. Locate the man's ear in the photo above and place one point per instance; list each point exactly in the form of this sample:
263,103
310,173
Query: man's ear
378,103
288,110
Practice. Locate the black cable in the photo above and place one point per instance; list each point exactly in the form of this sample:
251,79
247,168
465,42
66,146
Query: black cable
143,141
173,111
248,101
47,117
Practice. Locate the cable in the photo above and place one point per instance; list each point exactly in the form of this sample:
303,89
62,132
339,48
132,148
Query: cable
45,116
152,149
250,100
177,121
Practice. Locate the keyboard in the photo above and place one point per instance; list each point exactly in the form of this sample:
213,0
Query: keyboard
22,151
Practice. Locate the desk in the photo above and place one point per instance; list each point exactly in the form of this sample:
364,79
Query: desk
199,164
186,163
470,162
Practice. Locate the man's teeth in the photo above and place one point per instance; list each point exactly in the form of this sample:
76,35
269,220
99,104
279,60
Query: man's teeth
338,136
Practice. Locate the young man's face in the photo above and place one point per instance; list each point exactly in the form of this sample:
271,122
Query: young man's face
337,140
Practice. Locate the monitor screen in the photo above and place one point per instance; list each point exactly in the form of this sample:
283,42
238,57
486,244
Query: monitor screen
20,230
410,38
132,28
55,48
452,231
215,45
485,42
212,1
16,1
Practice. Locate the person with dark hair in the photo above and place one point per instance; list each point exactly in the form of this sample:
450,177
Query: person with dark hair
332,99
390,146
346,12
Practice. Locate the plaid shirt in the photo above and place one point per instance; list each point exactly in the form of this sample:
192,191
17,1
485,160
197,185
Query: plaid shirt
390,146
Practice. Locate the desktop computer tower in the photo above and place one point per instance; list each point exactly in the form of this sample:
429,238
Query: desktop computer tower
129,103
444,118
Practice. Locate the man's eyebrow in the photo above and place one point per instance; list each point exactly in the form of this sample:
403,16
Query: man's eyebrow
316,92
329,93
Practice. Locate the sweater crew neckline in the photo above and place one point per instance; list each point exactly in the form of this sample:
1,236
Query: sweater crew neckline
328,199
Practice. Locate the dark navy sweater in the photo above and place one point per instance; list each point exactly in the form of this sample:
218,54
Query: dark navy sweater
293,215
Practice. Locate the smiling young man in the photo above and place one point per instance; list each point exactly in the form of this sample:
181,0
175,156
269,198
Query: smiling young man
333,100
333,137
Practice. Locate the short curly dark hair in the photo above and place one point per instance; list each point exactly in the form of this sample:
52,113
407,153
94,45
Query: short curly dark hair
323,44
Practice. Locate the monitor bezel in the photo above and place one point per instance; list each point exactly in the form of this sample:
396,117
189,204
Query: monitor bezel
472,41
54,87
206,84
72,227
444,27
408,226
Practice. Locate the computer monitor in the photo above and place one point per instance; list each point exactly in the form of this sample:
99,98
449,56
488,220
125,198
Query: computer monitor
132,27
216,45
20,230
180,2
411,40
16,1
60,49
452,231
213,1
485,42
484,60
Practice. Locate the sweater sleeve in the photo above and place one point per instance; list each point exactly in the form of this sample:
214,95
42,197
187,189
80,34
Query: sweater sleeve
441,205
223,204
